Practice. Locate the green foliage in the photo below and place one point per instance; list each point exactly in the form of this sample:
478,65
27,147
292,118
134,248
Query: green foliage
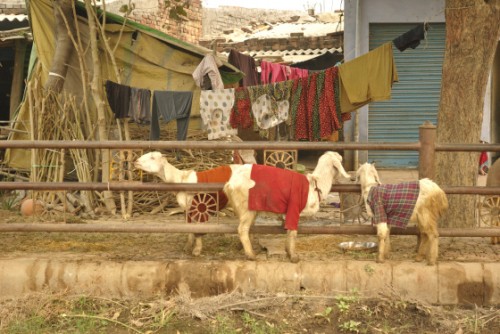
177,9
325,314
344,301
350,326
8,202
223,325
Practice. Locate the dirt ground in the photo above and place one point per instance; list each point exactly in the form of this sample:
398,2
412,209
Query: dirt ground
232,313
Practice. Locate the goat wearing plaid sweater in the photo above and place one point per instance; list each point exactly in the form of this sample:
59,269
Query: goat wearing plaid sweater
423,202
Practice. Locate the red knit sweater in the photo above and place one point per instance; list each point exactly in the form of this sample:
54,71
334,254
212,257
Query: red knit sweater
280,191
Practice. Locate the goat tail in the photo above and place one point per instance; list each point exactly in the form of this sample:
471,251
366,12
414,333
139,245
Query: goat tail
441,202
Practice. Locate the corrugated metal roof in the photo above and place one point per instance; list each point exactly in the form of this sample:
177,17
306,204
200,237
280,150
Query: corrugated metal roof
288,56
13,17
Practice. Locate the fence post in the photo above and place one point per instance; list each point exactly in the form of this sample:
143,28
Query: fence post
427,137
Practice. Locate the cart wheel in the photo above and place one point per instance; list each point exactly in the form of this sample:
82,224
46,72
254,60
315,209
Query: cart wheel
203,206
281,159
353,208
489,211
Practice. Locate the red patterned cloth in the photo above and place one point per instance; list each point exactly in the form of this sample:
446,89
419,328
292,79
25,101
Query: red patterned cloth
301,119
329,121
393,203
199,206
280,191
240,114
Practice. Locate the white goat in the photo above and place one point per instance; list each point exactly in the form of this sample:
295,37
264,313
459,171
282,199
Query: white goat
312,189
157,164
431,203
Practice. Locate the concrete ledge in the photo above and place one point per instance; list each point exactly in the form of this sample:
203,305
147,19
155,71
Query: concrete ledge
446,283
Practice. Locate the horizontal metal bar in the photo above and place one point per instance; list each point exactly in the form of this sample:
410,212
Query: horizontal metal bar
194,187
233,228
248,145
208,145
467,147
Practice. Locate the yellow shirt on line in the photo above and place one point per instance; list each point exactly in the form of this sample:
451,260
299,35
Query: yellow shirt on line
367,78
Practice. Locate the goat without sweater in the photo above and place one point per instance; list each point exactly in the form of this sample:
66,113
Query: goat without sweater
430,205
318,184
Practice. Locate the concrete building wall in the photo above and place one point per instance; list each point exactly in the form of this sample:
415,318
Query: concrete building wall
359,14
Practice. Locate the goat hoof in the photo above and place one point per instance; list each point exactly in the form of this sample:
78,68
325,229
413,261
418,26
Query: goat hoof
380,259
251,257
196,252
294,258
431,264
419,258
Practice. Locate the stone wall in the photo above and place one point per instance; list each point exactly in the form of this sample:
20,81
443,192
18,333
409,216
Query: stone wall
13,7
153,13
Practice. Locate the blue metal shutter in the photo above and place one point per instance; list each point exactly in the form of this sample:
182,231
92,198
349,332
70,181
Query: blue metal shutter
415,98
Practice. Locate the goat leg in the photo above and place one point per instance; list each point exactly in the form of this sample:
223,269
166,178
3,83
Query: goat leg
246,220
290,246
387,253
432,254
198,245
189,243
382,232
422,247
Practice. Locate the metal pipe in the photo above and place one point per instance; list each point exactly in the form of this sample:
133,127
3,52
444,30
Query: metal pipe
468,147
207,145
233,228
258,145
196,187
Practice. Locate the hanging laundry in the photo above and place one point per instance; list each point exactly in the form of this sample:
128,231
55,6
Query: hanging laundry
245,64
411,38
271,72
215,111
368,78
270,103
316,81
209,66
295,73
299,112
320,63
241,116
268,112
171,105
140,105
118,98
328,116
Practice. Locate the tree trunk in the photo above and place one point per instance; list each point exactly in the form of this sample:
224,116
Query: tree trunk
472,34
64,47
